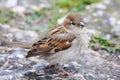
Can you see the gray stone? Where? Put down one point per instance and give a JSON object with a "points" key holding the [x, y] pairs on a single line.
{"points": [[116, 30], [11, 3]]}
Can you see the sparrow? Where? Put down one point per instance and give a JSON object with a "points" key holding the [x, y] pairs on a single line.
{"points": [[63, 43]]}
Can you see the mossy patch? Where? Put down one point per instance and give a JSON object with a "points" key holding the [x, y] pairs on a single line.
{"points": [[104, 44]]}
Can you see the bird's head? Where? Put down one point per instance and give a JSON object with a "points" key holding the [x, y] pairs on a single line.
{"points": [[73, 21]]}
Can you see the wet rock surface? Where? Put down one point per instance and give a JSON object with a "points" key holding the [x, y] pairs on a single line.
{"points": [[91, 66]]}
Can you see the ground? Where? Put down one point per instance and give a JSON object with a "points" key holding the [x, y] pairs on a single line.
{"points": [[28, 20]]}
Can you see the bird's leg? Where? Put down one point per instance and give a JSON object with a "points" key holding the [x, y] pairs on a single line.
{"points": [[48, 66], [63, 72]]}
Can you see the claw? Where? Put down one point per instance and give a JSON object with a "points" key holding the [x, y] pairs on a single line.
{"points": [[63, 72], [48, 66]]}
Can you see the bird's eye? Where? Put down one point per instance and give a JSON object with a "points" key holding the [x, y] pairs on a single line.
{"points": [[72, 23]]}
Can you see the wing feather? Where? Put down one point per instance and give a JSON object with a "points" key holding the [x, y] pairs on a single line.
{"points": [[56, 40]]}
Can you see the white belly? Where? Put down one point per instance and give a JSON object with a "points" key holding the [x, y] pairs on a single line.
{"points": [[72, 53]]}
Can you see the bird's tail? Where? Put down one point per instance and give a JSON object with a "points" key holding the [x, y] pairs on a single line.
{"points": [[25, 45], [31, 53]]}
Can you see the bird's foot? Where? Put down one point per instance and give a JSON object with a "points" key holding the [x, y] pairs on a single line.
{"points": [[48, 66], [63, 72]]}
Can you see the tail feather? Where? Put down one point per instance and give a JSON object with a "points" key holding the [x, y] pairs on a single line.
{"points": [[25, 45], [36, 52], [32, 53]]}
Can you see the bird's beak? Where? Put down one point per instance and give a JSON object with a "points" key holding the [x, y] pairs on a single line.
{"points": [[82, 24]]}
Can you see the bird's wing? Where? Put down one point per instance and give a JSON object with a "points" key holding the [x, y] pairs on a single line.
{"points": [[57, 39]]}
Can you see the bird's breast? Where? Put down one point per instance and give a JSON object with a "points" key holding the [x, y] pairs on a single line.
{"points": [[67, 55], [79, 46]]}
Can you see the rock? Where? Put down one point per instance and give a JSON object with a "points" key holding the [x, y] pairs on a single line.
{"points": [[10, 75], [18, 9], [76, 77], [98, 13], [107, 2], [23, 36], [108, 36], [11, 3], [16, 34], [40, 65], [112, 21], [98, 6], [2, 60], [18, 53], [44, 5], [8, 36], [116, 30], [118, 22], [4, 27]]}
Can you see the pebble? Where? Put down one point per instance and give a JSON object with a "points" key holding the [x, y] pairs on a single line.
{"points": [[24, 36], [107, 2], [18, 9], [112, 21], [98, 13], [40, 65], [11, 3], [98, 6], [116, 30]]}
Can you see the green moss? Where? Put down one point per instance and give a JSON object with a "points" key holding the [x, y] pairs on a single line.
{"points": [[6, 15], [74, 4], [104, 44], [33, 15], [12, 14], [90, 1]]}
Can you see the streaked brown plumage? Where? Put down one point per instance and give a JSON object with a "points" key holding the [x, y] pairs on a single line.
{"points": [[57, 39], [62, 43]]}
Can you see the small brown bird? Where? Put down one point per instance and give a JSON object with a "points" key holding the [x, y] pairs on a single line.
{"points": [[63, 43]]}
